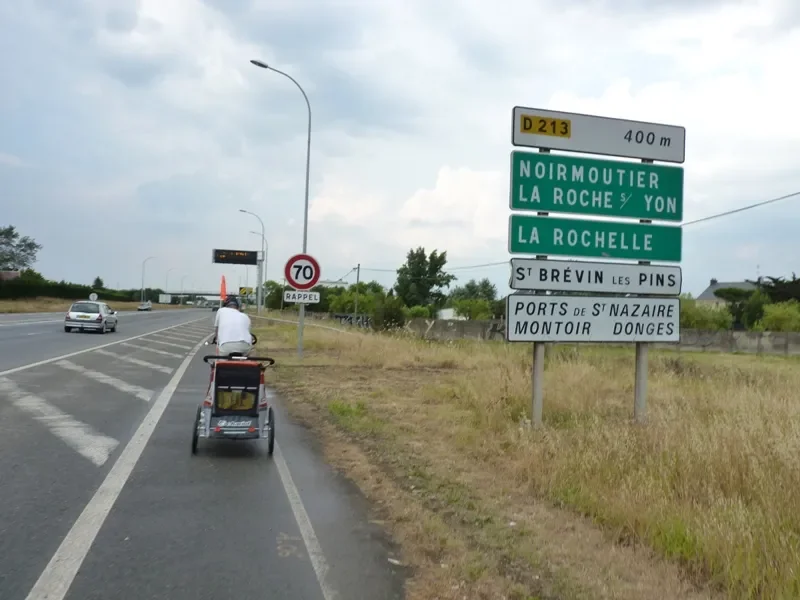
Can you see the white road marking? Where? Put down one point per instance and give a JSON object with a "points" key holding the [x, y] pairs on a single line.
{"points": [[135, 361], [310, 540], [60, 572], [12, 323], [122, 386], [77, 435], [180, 337], [61, 320], [154, 350], [47, 361], [204, 331], [152, 341]]}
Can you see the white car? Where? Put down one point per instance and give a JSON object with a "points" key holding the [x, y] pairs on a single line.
{"points": [[87, 315]]}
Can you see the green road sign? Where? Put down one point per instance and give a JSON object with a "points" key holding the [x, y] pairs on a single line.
{"points": [[596, 239], [591, 186]]}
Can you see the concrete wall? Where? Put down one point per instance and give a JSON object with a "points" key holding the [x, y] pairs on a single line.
{"points": [[692, 340]]}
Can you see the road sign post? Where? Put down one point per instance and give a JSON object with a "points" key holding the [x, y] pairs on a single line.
{"points": [[641, 304], [302, 272]]}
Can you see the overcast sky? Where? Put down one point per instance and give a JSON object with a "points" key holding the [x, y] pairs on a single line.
{"points": [[138, 128]]}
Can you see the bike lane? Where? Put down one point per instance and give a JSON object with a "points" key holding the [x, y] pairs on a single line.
{"points": [[229, 521]]}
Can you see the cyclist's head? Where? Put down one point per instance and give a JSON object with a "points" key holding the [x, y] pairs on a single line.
{"points": [[231, 302]]}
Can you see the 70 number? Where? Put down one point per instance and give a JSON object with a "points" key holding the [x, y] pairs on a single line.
{"points": [[306, 270]]}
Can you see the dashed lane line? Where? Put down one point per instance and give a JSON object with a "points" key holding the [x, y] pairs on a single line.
{"points": [[122, 386], [149, 349], [60, 572], [180, 337], [48, 361], [163, 343], [74, 433], [135, 361]]}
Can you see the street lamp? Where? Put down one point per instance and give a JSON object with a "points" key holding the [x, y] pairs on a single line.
{"points": [[265, 245], [166, 283], [260, 292], [182, 278], [301, 320], [144, 262]]}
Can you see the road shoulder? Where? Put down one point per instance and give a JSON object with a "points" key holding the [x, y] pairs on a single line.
{"points": [[460, 527]]}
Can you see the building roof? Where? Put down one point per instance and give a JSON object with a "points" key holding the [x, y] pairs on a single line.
{"points": [[708, 293]]}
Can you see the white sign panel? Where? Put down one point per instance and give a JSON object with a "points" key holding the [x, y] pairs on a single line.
{"points": [[574, 132], [598, 277], [301, 297], [92, 296], [591, 319]]}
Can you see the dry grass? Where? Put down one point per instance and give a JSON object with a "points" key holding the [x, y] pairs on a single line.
{"points": [[35, 305], [711, 482]]}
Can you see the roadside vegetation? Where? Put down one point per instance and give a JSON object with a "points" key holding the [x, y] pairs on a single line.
{"points": [[424, 287], [22, 289], [701, 501]]}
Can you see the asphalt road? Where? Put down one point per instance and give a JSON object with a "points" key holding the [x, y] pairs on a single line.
{"points": [[102, 498]]}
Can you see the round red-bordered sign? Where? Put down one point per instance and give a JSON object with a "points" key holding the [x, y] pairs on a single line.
{"points": [[302, 272]]}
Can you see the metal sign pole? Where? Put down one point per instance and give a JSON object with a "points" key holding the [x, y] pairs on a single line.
{"points": [[642, 351], [537, 374]]}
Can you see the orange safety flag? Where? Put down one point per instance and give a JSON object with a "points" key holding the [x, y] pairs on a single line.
{"points": [[223, 293]]}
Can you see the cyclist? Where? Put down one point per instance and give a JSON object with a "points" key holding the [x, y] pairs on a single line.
{"points": [[232, 329]]}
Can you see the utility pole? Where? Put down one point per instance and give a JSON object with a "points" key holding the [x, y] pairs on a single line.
{"points": [[358, 280]]}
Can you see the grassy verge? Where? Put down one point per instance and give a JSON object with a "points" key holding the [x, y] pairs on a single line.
{"points": [[34, 305], [700, 502]]}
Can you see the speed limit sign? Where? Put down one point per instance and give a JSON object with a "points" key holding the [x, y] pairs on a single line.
{"points": [[302, 271]]}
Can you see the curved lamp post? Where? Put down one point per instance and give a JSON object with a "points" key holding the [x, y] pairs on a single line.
{"points": [[301, 320]]}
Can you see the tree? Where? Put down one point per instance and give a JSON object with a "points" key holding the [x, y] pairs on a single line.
{"points": [[474, 290], [737, 300], [388, 313], [98, 283], [474, 309], [778, 289], [31, 276], [16, 253], [754, 308], [273, 294], [421, 278]]}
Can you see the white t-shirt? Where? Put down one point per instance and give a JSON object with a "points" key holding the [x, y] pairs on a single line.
{"points": [[234, 326]]}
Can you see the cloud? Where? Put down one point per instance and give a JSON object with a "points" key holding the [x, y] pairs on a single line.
{"points": [[150, 114]]}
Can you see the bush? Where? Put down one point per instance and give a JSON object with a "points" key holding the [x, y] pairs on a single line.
{"points": [[781, 316], [388, 314], [31, 284], [418, 312], [704, 317]]}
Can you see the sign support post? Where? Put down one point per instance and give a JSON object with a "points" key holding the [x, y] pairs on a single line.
{"points": [[358, 280], [537, 375], [642, 363], [259, 282]]}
